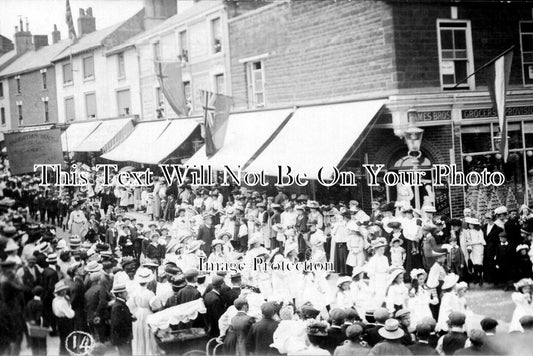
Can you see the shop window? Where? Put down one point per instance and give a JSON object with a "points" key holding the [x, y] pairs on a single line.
{"points": [[526, 44], [476, 138], [514, 135], [528, 133], [43, 76], [455, 54], [21, 118]]}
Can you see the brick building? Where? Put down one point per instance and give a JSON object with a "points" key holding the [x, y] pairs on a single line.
{"points": [[412, 55]]}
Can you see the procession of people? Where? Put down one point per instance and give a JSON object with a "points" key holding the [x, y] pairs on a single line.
{"points": [[80, 259]]}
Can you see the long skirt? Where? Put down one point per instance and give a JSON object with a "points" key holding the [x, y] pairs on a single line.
{"points": [[341, 253], [143, 342]]}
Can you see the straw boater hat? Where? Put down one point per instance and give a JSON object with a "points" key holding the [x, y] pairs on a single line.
{"points": [[343, 280], [61, 285], [93, 267], [51, 258], [396, 239], [522, 247], [472, 221], [74, 241], [523, 282], [379, 242], [357, 270], [313, 204], [391, 330], [144, 275], [450, 281], [119, 288]]}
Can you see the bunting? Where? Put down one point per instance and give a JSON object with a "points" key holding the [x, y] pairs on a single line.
{"points": [[70, 22], [216, 113], [171, 83]]}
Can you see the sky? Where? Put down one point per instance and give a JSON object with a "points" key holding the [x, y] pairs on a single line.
{"points": [[43, 14]]}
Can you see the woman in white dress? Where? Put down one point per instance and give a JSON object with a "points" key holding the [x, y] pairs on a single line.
{"points": [[143, 342], [377, 269], [397, 293], [475, 245], [450, 302], [344, 295], [361, 291], [315, 290], [524, 303], [420, 296]]}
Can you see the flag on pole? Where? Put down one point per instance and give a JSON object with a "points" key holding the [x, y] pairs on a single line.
{"points": [[498, 80], [70, 22], [216, 113], [171, 83]]}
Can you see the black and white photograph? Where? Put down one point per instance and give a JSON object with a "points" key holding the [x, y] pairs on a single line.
{"points": [[266, 177]]}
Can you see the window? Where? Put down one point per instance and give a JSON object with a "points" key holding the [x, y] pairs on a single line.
{"points": [[160, 103], [46, 112], [1, 89], [123, 101], [88, 67], [90, 105], [19, 110], [216, 35], [157, 50], [43, 76], [121, 69], [256, 83], [188, 95], [70, 112], [184, 48], [3, 115], [19, 88], [67, 73], [220, 84], [455, 54], [526, 43]]}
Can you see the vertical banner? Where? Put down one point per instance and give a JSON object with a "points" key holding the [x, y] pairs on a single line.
{"points": [[25, 149]]}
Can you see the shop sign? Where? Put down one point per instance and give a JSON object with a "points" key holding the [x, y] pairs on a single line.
{"points": [[432, 116], [491, 113], [442, 200], [447, 68]]}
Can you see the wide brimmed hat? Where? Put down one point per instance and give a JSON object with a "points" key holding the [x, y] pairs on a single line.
{"points": [[144, 275], [391, 330], [74, 241], [51, 258], [194, 245], [395, 273], [522, 247], [119, 288], [500, 210], [150, 262], [11, 246], [313, 204], [379, 242], [221, 234], [357, 270], [342, 280], [429, 209], [473, 221], [450, 281], [61, 285], [93, 266], [416, 272], [216, 242], [396, 239], [523, 282]]}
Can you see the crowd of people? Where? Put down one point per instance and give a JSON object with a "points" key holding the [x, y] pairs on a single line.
{"points": [[78, 260]]}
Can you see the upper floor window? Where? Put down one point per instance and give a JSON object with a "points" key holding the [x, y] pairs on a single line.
{"points": [[526, 43], [88, 67], [67, 73], [216, 35], [44, 79], [19, 112], [188, 95], [455, 54], [160, 111], [255, 78], [19, 88], [1, 89], [90, 105], [124, 102], [156, 47], [2, 115], [220, 84], [183, 46], [70, 112], [46, 111], [121, 66]]}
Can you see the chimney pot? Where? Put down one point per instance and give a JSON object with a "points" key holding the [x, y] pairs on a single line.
{"points": [[89, 11], [86, 22], [56, 35]]}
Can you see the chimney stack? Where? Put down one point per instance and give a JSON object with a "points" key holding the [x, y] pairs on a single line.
{"points": [[86, 22], [23, 39], [40, 41], [157, 11], [56, 35]]}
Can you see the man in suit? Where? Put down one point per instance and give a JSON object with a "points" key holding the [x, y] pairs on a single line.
{"points": [[372, 335], [121, 321], [404, 317], [261, 333], [111, 234], [421, 347], [215, 305], [336, 336], [233, 293], [504, 262], [206, 233], [352, 347], [491, 233], [50, 278], [33, 313], [30, 277], [190, 291], [240, 324]]}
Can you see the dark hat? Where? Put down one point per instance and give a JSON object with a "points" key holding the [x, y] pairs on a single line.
{"points": [[477, 337], [312, 222], [309, 312], [191, 273], [178, 282], [457, 319], [526, 321], [456, 222], [503, 234], [423, 330], [337, 314], [8, 264], [394, 225], [488, 324], [317, 329], [217, 281], [353, 331]]}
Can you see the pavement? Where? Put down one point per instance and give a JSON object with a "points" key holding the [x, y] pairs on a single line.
{"points": [[483, 301]]}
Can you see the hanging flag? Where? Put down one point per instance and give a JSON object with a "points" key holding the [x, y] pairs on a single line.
{"points": [[70, 23], [169, 76], [216, 113], [498, 80]]}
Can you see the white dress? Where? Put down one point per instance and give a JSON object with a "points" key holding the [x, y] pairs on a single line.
{"points": [[397, 295], [345, 300], [475, 241], [143, 342], [419, 305], [315, 290], [523, 307], [450, 303], [362, 296], [378, 273]]}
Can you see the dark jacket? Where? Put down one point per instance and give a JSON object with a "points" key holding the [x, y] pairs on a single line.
{"points": [[188, 294], [422, 349], [240, 326], [207, 235], [215, 306], [261, 336], [373, 336], [453, 341], [33, 311], [230, 295], [336, 337], [121, 320]]}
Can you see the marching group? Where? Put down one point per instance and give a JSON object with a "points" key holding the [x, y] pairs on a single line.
{"points": [[397, 286]]}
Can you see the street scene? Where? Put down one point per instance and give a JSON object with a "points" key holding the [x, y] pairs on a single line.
{"points": [[266, 177]]}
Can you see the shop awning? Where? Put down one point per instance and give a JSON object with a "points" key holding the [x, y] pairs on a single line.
{"points": [[140, 140], [315, 137], [245, 134], [107, 135], [175, 134], [76, 133]]}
